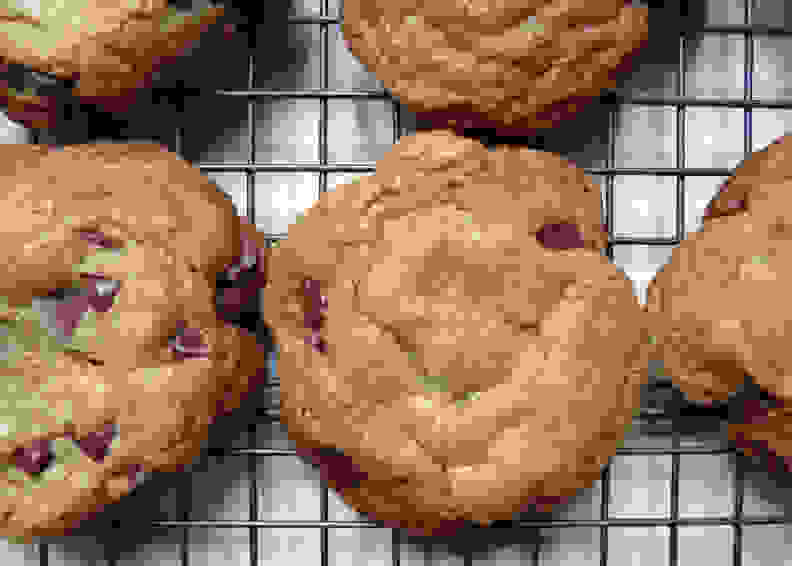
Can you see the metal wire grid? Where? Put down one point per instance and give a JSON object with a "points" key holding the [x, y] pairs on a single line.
{"points": [[680, 102]]}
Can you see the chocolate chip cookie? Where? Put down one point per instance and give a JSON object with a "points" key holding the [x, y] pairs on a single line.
{"points": [[133, 363], [720, 301], [512, 65], [90, 51], [452, 344]]}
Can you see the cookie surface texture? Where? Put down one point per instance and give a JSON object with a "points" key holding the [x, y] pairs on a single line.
{"points": [[110, 47], [450, 335], [136, 364], [481, 63], [721, 298]]}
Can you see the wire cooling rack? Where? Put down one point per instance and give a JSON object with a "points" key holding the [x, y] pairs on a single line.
{"points": [[297, 115]]}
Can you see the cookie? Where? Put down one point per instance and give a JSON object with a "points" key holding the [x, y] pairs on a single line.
{"points": [[720, 299], [89, 51], [453, 346], [133, 362], [515, 66]]}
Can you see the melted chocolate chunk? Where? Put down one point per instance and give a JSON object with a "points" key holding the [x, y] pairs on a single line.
{"points": [[317, 342], [35, 458], [135, 475], [96, 445], [334, 465], [751, 403], [188, 344], [191, 339], [97, 239], [68, 313], [100, 303], [100, 298], [314, 308], [560, 237]]}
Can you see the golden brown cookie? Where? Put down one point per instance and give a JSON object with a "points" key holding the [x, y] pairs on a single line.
{"points": [[97, 51], [171, 204], [138, 362], [452, 344], [518, 64], [720, 301]]}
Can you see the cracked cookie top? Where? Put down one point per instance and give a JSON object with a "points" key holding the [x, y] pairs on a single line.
{"points": [[514, 62], [450, 326], [107, 47]]}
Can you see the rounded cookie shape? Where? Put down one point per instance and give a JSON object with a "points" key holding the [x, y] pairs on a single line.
{"points": [[452, 344], [134, 362], [96, 52], [719, 302], [515, 64]]}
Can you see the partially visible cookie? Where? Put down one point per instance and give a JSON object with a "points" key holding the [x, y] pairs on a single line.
{"points": [[91, 51], [514, 65], [134, 361], [453, 345], [721, 300]]}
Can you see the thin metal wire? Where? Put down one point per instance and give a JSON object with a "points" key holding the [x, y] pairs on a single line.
{"points": [[609, 179], [369, 167], [610, 95], [609, 182], [673, 538], [758, 29], [43, 554], [324, 58], [673, 534], [250, 178], [739, 483], [250, 190], [604, 512], [527, 523], [680, 139], [395, 547], [692, 450], [184, 495]]}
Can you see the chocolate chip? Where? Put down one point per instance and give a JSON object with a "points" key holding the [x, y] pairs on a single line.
{"points": [[316, 340], [313, 320], [334, 465], [34, 458], [68, 313], [560, 236], [189, 344], [135, 475], [96, 238], [233, 299], [314, 306], [100, 303], [96, 445], [191, 338], [312, 290]]}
